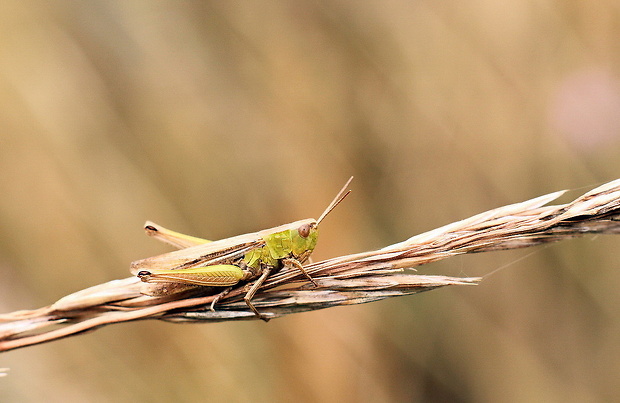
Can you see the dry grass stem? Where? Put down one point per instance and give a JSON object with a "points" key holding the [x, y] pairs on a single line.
{"points": [[345, 280]]}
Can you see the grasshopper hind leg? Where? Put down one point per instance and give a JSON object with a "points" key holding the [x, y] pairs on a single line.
{"points": [[264, 271], [218, 297], [248, 296]]}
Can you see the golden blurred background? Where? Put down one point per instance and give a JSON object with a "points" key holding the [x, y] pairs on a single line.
{"points": [[220, 118]]}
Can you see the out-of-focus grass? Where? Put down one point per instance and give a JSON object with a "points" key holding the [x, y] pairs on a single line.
{"points": [[218, 118]]}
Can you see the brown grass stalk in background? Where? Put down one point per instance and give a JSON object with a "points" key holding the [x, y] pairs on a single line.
{"points": [[345, 280]]}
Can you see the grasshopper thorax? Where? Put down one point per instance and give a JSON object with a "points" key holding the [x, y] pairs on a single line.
{"points": [[296, 240]]}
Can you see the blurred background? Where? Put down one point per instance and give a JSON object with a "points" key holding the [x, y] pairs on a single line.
{"points": [[221, 118]]}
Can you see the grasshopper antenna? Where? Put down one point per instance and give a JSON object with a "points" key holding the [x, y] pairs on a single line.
{"points": [[339, 197]]}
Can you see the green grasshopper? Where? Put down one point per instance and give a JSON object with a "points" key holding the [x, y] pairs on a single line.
{"points": [[224, 263]]}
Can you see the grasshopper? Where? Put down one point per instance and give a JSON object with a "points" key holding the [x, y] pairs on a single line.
{"points": [[225, 263]]}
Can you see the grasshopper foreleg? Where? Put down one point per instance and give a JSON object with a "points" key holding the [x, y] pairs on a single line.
{"points": [[290, 262]]}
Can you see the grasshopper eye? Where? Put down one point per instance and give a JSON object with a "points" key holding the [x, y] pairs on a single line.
{"points": [[304, 230]]}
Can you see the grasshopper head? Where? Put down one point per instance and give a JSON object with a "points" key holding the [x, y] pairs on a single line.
{"points": [[303, 239], [305, 233], [296, 239]]}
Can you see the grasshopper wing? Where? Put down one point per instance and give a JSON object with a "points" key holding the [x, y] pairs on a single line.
{"points": [[224, 251]]}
